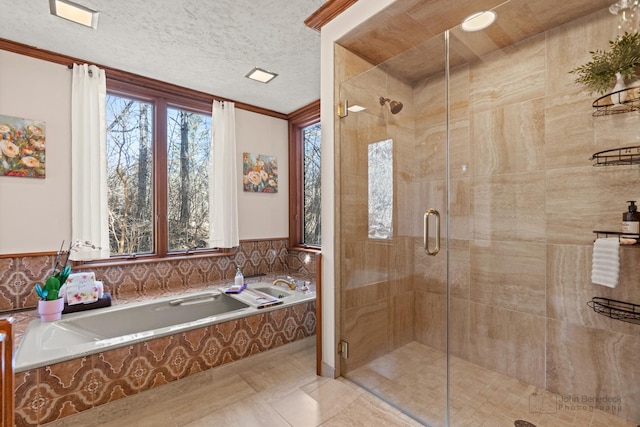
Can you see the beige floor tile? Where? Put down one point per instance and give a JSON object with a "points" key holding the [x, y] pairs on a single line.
{"points": [[603, 419], [251, 412], [155, 418], [203, 401], [366, 412], [321, 404], [478, 396], [280, 388]]}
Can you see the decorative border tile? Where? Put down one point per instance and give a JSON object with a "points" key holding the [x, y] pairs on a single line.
{"points": [[19, 275]]}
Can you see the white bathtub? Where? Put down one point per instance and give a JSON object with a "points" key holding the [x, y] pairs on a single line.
{"points": [[79, 334]]}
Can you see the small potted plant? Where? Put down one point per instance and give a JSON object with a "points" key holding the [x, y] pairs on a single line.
{"points": [[51, 303], [616, 65]]}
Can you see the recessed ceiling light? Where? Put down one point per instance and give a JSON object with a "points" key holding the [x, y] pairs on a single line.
{"points": [[479, 20], [355, 108], [260, 75], [74, 12]]}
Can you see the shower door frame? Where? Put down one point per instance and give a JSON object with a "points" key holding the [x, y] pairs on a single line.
{"points": [[345, 344]]}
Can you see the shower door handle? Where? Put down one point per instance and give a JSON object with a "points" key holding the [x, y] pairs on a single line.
{"points": [[427, 214]]}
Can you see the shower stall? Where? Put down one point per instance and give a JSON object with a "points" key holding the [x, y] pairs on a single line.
{"points": [[465, 214]]}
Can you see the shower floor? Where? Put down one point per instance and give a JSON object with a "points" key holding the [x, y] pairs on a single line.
{"points": [[414, 376]]}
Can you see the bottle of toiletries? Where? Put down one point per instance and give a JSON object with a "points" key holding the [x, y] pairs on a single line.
{"points": [[239, 279], [631, 219]]}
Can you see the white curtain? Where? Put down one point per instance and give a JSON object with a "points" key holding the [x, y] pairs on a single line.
{"points": [[223, 197], [89, 220]]}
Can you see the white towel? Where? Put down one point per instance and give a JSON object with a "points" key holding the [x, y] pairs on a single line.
{"points": [[605, 266]]}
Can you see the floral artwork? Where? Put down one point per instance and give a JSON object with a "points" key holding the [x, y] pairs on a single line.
{"points": [[22, 147], [260, 173]]}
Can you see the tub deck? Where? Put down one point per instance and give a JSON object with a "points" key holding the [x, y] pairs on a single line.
{"points": [[89, 332]]}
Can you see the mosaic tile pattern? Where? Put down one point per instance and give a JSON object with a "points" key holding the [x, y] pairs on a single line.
{"points": [[57, 391], [19, 275], [302, 263]]}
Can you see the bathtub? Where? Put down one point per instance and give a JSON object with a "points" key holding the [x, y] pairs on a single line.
{"points": [[90, 332]]}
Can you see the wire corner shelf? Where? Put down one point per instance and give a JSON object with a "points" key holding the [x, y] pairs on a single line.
{"points": [[617, 156], [618, 310], [618, 102]]}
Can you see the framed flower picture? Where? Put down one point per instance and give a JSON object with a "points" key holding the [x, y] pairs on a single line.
{"points": [[260, 173], [22, 147]]}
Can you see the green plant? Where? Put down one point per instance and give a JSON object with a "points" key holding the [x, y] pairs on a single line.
{"points": [[51, 288], [622, 57]]}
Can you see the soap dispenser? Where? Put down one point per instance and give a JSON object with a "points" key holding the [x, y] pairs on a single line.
{"points": [[239, 279], [631, 219]]}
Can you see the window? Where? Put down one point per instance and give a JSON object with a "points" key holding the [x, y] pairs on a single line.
{"points": [[380, 189], [311, 185], [304, 177], [188, 147], [129, 172], [158, 173]]}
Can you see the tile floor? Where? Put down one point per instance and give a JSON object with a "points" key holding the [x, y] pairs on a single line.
{"points": [[280, 388], [275, 388], [415, 375]]}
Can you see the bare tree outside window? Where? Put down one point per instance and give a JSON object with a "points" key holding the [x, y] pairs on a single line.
{"points": [[130, 174], [188, 148], [311, 169], [380, 183], [129, 166]]}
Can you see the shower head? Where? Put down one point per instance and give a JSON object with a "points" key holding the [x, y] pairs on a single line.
{"points": [[394, 106]]}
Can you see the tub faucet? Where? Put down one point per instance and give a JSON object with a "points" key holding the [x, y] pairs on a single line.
{"points": [[291, 284]]}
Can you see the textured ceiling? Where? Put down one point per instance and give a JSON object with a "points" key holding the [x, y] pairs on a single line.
{"points": [[207, 45]]}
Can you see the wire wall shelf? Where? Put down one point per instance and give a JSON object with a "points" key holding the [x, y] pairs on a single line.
{"points": [[617, 156], [625, 238], [621, 101], [619, 310]]}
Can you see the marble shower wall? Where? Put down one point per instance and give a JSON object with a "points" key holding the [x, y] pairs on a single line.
{"points": [[524, 199]]}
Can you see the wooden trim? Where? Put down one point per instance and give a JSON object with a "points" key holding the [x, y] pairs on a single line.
{"points": [[28, 254], [160, 178], [143, 258], [131, 79], [304, 113], [327, 12], [6, 367], [319, 314]]}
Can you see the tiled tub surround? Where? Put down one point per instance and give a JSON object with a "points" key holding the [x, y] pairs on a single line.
{"points": [[524, 199], [93, 331], [19, 274], [52, 392], [141, 281], [58, 390]]}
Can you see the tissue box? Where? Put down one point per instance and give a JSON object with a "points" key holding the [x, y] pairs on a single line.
{"points": [[82, 288]]}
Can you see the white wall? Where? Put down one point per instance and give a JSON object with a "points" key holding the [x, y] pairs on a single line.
{"points": [[35, 214], [349, 19], [263, 215]]}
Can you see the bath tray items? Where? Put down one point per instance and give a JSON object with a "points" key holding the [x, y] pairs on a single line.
{"points": [[619, 310], [256, 298]]}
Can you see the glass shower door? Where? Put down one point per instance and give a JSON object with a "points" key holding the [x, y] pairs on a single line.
{"points": [[495, 328], [393, 294]]}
